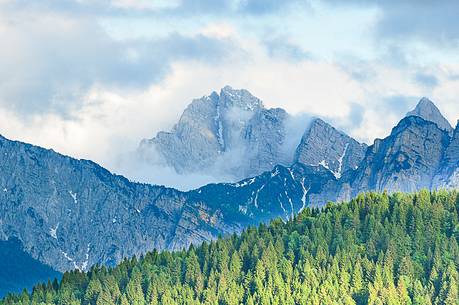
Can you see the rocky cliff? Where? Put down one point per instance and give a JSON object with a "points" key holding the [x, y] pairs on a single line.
{"points": [[72, 213], [427, 110], [230, 134], [405, 161], [323, 145], [448, 174]]}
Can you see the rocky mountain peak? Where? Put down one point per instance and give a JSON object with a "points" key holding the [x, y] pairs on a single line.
{"points": [[410, 122], [318, 123], [427, 110], [324, 145], [239, 98], [406, 161], [230, 134]]}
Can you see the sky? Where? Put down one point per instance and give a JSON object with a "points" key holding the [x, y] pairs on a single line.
{"points": [[91, 78]]}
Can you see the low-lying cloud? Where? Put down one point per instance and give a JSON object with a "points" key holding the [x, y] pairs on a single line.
{"points": [[148, 166]]}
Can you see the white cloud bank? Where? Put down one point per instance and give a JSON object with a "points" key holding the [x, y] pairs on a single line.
{"points": [[65, 84]]}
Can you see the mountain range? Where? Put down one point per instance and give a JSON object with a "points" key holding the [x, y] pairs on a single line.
{"points": [[69, 213]]}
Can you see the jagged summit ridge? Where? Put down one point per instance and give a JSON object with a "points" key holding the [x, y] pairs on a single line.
{"points": [[448, 175], [427, 110], [232, 134], [240, 98], [228, 134], [405, 161], [324, 145]]}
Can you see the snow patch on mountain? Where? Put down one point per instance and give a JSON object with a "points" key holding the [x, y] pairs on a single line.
{"points": [[74, 196], [305, 193], [337, 174], [53, 231]]}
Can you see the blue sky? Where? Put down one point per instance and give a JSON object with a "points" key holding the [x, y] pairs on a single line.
{"points": [[91, 78]]}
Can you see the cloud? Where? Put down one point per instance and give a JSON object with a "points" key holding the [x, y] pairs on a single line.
{"points": [[139, 170], [355, 115], [50, 62], [431, 21], [400, 103], [428, 80], [281, 47], [295, 126], [446, 97], [70, 81], [233, 7], [260, 7], [161, 8]]}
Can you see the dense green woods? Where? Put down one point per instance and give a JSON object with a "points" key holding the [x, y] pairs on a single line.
{"points": [[376, 249]]}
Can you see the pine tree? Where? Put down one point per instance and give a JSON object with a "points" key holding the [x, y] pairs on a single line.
{"points": [[134, 292]]}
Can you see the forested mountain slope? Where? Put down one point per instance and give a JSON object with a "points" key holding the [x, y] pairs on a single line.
{"points": [[375, 249]]}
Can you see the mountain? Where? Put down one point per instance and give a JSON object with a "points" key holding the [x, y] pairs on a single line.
{"points": [[406, 161], [282, 192], [323, 145], [411, 158], [448, 174], [70, 213], [427, 110], [18, 270], [233, 135], [230, 134], [376, 249]]}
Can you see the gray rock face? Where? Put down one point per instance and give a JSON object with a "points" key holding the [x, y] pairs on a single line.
{"points": [[417, 154], [264, 137], [70, 214], [405, 161], [323, 145], [448, 174], [230, 134], [195, 142], [427, 110]]}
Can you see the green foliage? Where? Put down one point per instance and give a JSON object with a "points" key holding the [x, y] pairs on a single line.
{"points": [[376, 249]]}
